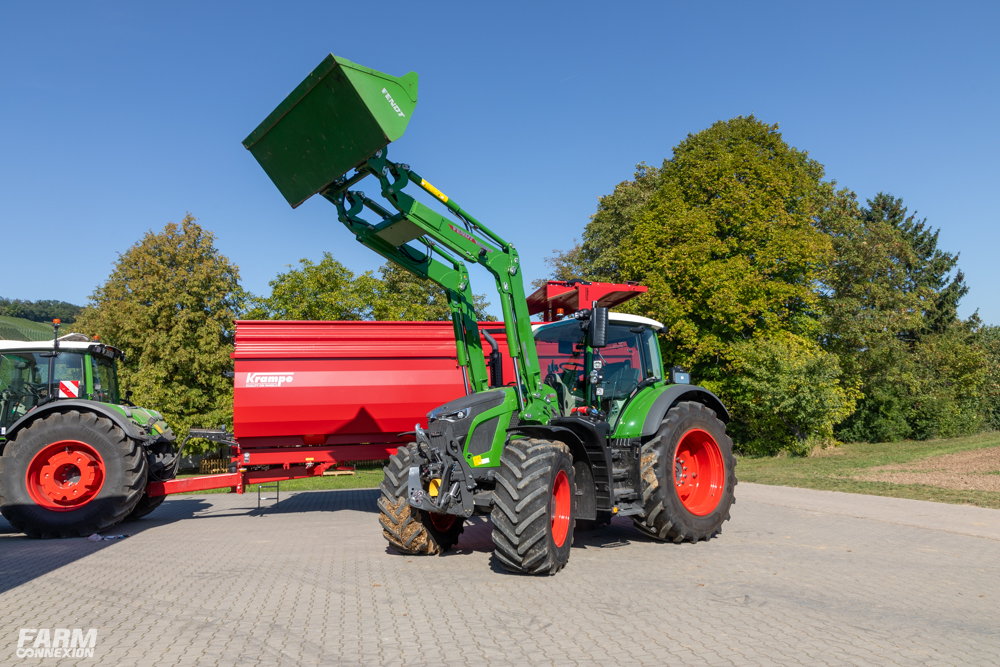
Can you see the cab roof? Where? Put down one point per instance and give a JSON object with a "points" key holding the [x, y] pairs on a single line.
{"points": [[623, 318], [46, 345]]}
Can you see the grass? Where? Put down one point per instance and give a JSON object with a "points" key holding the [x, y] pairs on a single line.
{"points": [[832, 469], [366, 477]]}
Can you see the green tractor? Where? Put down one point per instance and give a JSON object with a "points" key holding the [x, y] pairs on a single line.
{"points": [[75, 458], [590, 427]]}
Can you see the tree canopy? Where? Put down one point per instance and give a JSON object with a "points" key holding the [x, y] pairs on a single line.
{"points": [[331, 291], [813, 316], [170, 303], [40, 311]]}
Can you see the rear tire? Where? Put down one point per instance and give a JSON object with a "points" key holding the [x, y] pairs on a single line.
{"points": [[688, 476], [533, 517], [410, 530], [70, 474]]}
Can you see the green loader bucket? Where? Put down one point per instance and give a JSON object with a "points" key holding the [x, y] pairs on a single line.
{"points": [[332, 122]]}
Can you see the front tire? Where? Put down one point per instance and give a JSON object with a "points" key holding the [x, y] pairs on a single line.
{"points": [[533, 518], [70, 474], [410, 530], [688, 476]]}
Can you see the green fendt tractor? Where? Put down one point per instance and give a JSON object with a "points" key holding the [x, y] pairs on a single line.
{"points": [[75, 458], [607, 432]]}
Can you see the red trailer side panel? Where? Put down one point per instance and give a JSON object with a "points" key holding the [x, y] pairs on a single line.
{"points": [[336, 383]]}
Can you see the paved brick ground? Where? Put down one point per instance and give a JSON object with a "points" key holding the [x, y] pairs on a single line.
{"points": [[798, 577]]}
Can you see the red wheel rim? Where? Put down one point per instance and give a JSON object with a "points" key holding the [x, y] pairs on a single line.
{"points": [[442, 522], [560, 508], [699, 472], [65, 476]]}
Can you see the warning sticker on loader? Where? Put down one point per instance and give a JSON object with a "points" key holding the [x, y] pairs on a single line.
{"points": [[433, 190]]}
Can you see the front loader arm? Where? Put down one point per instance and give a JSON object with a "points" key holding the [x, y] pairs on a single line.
{"points": [[454, 279], [414, 221]]}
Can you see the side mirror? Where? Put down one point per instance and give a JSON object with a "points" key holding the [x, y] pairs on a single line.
{"points": [[598, 327]]}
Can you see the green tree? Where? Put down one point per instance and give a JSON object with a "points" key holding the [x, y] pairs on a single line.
{"points": [[987, 341], [324, 291], [931, 272], [612, 225], [40, 311], [170, 303], [728, 243], [891, 302], [330, 291], [787, 394], [946, 384], [867, 303]]}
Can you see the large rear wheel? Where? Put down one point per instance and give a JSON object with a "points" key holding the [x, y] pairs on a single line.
{"points": [[70, 474], [688, 476], [410, 530], [533, 520]]}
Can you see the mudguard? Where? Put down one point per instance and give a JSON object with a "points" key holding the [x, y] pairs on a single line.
{"points": [[675, 394], [103, 409]]}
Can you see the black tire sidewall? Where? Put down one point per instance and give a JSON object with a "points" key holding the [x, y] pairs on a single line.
{"points": [[665, 471], [19, 505]]}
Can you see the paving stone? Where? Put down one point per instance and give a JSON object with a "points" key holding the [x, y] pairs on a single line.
{"points": [[798, 577]]}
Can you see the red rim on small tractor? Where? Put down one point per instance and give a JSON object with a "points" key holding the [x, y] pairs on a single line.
{"points": [[65, 475], [699, 472], [560, 508]]}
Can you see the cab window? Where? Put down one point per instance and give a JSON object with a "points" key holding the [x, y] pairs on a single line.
{"points": [[18, 386], [105, 381], [24, 378], [561, 356]]}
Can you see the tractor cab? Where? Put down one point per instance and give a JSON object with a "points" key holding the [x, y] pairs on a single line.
{"points": [[588, 379], [36, 373]]}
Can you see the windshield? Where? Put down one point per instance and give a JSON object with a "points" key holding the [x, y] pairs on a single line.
{"points": [[561, 357], [24, 378]]}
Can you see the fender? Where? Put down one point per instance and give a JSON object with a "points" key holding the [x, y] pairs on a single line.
{"points": [[673, 395], [103, 409]]}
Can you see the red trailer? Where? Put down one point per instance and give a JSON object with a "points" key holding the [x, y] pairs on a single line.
{"points": [[311, 396]]}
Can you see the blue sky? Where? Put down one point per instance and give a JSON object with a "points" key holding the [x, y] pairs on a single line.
{"points": [[119, 117]]}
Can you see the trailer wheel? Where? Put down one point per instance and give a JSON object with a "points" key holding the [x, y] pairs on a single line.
{"points": [[688, 476], [160, 458], [409, 530], [533, 520], [70, 474]]}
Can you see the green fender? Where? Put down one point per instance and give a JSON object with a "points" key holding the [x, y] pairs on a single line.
{"points": [[644, 413], [116, 413]]}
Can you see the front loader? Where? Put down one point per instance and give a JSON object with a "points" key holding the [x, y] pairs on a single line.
{"points": [[591, 426]]}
